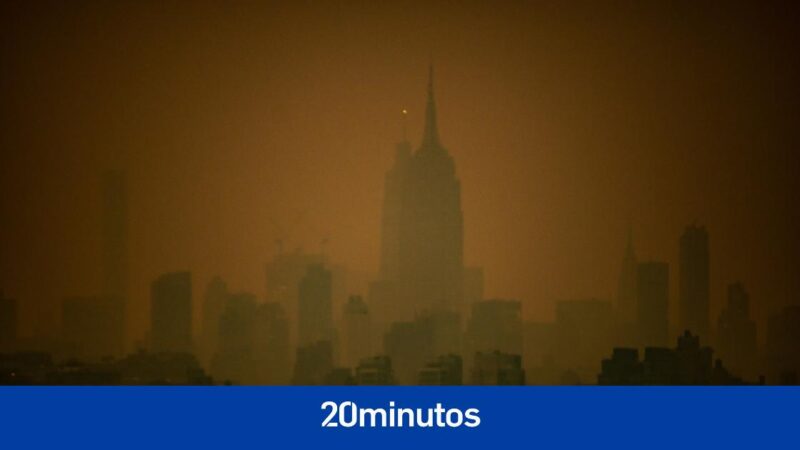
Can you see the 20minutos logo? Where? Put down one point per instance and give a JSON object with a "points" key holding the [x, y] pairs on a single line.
{"points": [[347, 414]]}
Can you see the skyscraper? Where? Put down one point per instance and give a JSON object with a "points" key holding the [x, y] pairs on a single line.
{"points": [[171, 313], [736, 334], [422, 235], [693, 283], [356, 332], [315, 313], [652, 288]]}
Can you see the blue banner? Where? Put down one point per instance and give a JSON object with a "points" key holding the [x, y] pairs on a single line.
{"points": [[398, 417]]}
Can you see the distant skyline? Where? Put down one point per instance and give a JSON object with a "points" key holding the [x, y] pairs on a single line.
{"points": [[567, 124]]}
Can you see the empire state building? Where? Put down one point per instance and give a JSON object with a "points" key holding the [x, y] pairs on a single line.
{"points": [[422, 227]]}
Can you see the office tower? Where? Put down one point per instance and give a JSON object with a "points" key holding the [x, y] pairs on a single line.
{"points": [[652, 292], [736, 334], [214, 301], [283, 275], [171, 313], [422, 227], [313, 363], [89, 327], [693, 287], [9, 320], [356, 332], [408, 345], [375, 371], [253, 343], [271, 344], [495, 325], [115, 252], [314, 313], [626, 287], [233, 356], [584, 333], [497, 369], [445, 370]]}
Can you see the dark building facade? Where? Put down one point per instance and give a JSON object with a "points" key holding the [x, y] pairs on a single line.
{"points": [[315, 310], [171, 313], [736, 334]]}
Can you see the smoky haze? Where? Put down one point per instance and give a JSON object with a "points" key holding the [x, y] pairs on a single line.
{"points": [[240, 124]]}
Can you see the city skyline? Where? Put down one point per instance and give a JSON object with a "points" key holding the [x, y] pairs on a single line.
{"points": [[558, 162]]}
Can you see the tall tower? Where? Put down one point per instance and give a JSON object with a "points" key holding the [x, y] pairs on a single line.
{"points": [[427, 266], [171, 313], [314, 310], [693, 282]]}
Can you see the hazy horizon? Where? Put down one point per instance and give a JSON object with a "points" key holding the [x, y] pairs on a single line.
{"points": [[566, 124]]}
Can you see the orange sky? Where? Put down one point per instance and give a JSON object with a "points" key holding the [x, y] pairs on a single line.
{"points": [[565, 124]]}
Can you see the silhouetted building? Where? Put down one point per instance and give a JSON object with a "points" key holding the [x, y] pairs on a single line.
{"points": [[171, 313], [624, 368], [24, 368], [538, 352], [736, 334], [693, 288], [163, 369], [9, 320], [142, 368], [90, 327], [115, 252], [584, 330], [497, 369], [446, 370], [283, 275], [356, 332], [652, 289], [626, 287], [315, 314], [339, 376], [313, 363], [375, 371], [783, 346], [253, 343], [271, 344], [687, 364], [422, 234], [233, 360], [408, 345], [214, 301], [494, 325]]}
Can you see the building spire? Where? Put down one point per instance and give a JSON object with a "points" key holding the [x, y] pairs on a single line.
{"points": [[431, 136]]}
